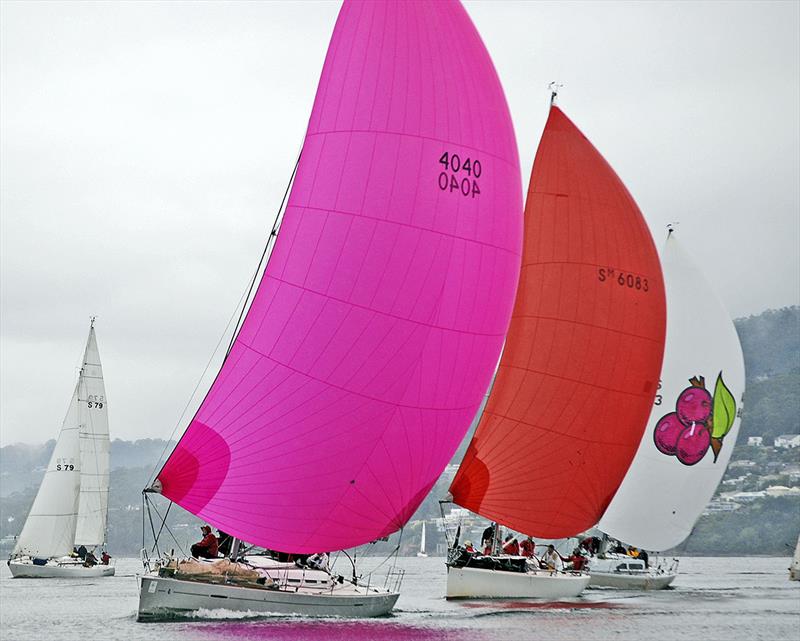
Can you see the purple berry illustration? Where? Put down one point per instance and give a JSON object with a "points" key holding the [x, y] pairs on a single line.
{"points": [[694, 403], [693, 444], [666, 434]]}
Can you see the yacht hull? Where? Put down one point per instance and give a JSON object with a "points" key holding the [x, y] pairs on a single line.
{"points": [[467, 583], [54, 570], [630, 581], [163, 598]]}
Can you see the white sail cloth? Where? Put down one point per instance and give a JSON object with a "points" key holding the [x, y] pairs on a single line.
{"points": [[663, 495], [95, 446], [49, 530]]}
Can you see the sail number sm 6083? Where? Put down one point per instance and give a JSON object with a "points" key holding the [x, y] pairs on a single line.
{"points": [[623, 279], [460, 175]]}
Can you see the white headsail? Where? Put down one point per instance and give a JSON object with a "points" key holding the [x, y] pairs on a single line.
{"points": [[49, 530], [95, 447], [695, 421]]}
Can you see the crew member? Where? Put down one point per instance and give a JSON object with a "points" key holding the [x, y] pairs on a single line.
{"points": [[510, 546], [551, 558], [487, 540], [527, 547], [207, 548]]}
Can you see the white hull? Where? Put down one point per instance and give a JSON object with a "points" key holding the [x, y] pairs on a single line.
{"points": [[422, 555], [497, 584], [629, 573], [622, 581], [166, 598], [25, 569]]}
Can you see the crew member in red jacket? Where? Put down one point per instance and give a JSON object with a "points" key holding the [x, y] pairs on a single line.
{"points": [[527, 547], [511, 547], [208, 547]]}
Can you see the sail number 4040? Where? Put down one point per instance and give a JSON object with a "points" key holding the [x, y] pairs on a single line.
{"points": [[460, 175]]}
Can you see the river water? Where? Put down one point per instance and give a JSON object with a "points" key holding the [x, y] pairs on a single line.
{"points": [[712, 599]]}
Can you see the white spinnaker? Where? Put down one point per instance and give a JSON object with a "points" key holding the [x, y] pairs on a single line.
{"points": [[660, 498], [49, 530], [95, 447]]}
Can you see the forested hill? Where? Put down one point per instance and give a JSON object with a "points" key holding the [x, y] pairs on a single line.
{"points": [[771, 342], [771, 345]]}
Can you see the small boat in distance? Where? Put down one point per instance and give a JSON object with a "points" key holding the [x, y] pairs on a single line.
{"points": [[421, 552], [70, 511], [577, 377], [372, 336]]}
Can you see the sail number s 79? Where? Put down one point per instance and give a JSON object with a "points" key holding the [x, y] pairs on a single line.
{"points": [[95, 401], [65, 465], [460, 175]]}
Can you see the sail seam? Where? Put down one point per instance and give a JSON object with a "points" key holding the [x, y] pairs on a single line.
{"points": [[409, 226], [407, 135]]}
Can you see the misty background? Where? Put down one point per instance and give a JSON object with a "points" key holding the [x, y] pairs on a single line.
{"points": [[145, 147]]}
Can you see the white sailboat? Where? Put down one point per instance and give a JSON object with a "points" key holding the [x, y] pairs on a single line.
{"points": [[794, 568], [422, 553], [71, 506], [691, 432]]}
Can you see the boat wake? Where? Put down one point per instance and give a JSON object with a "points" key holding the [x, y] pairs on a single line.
{"points": [[221, 614], [538, 605]]}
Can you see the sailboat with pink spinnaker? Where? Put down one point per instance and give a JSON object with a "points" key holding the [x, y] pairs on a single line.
{"points": [[374, 332]]}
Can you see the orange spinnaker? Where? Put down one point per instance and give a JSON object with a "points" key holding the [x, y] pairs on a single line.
{"points": [[581, 364]]}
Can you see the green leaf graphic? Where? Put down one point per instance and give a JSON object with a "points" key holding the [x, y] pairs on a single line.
{"points": [[724, 411]]}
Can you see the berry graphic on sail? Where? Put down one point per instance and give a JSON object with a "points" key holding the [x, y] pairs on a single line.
{"points": [[698, 423]]}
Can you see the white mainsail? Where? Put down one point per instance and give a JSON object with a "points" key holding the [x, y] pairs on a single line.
{"points": [[95, 449], [422, 542], [49, 530], [695, 421]]}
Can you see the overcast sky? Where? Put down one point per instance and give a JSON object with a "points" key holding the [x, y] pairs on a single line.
{"points": [[144, 149]]}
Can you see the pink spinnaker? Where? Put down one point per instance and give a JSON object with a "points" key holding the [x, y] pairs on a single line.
{"points": [[375, 330]]}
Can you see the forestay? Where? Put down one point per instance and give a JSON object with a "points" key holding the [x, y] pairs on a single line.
{"points": [[374, 332], [580, 366], [695, 420]]}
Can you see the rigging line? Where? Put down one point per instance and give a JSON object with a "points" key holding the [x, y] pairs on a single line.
{"points": [[164, 520], [243, 302], [392, 554], [270, 240], [152, 528], [151, 476]]}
